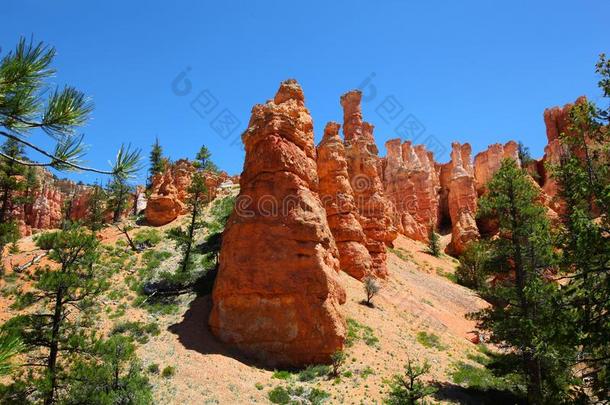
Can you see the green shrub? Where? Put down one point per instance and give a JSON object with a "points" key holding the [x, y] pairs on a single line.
{"points": [[313, 372], [137, 330], [259, 386], [430, 340], [152, 259], [147, 237], [356, 331], [401, 254], [279, 395], [297, 395], [153, 368], [168, 372], [367, 372], [282, 375], [471, 272]]}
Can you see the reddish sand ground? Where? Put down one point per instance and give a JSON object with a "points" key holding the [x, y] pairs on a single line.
{"points": [[415, 298]]}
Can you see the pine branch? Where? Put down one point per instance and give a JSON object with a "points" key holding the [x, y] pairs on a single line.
{"points": [[47, 154]]}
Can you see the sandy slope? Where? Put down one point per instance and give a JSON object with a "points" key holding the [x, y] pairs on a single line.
{"points": [[416, 298]]}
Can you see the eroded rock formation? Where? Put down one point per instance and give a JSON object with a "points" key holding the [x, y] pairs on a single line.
{"points": [[364, 167], [338, 200], [487, 163], [49, 203], [169, 191], [412, 184], [461, 198], [557, 122], [276, 296]]}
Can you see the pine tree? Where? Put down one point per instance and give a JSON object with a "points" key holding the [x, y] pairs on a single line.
{"points": [[473, 265], [185, 239], [583, 176], [526, 316], [96, 208], [11, 184], [157, 162], [27, 106], [408, 389], [51, 333], [9, 347], [434, 243], [204, 160], [119, 188], [111, 375]]}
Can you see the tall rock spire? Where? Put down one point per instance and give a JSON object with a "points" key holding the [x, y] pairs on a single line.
{"points": [[364, 166], [276, 296], [338, 199]]}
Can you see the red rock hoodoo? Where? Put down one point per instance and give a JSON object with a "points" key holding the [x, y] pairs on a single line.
{"points": [[47, 204], [487, 163], [557, 122], [461, 198], [338, 200], [169, 191], [412, 184], [276, 296], [364, 167]]}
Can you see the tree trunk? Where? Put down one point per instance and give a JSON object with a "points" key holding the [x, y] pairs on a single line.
{"points": [[119, 205], [187, 251], [5, 202], [54, 348]]}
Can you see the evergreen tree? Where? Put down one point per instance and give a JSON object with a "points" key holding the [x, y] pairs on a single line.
{"points": [[31, 184], [408, 389], [204, 160], [24, 76], [112, 375], [52, 334], [526, 316], [525, 156], [157, 162], [434, 243], [10, 184], [119, 188], [9, 347], [96, 208], [185, 239], [583, 176], [472, 270]]}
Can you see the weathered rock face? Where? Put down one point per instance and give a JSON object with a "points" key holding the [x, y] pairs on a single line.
{"points": [[276, 296], [462, 198], [412, 184], [48, 202], [557, 122], [169, 191], [376, 211], [338, 200], [487, 163]]}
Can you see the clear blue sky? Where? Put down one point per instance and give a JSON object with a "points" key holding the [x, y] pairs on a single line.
{"points": [[477, 71]]}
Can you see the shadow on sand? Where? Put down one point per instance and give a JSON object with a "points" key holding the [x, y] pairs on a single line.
{"points": [[194, 333], [471, 396]]}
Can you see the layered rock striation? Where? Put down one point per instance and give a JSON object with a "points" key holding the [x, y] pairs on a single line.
{"points": [[412, 184], [364, 168], [337, 198]]}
